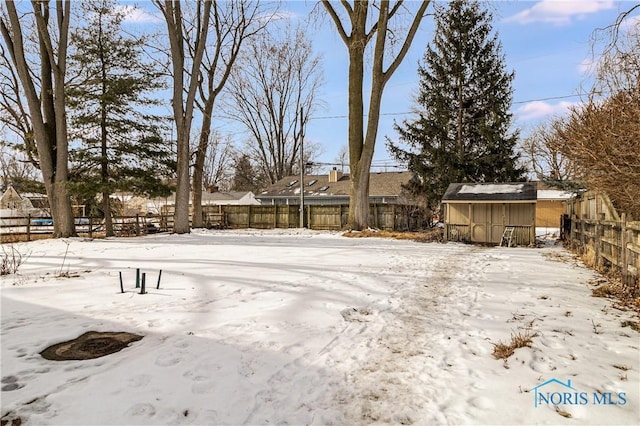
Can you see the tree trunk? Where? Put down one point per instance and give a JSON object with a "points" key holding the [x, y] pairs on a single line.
{"points": [[359, 200], [108, 220], [198, 171], [47, 109], [357, 218], [104, 154], [181, 214], [183, 107], [61, 211], [361, 145]]}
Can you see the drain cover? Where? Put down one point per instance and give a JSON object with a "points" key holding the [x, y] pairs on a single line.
{"points": [[92, 344]]}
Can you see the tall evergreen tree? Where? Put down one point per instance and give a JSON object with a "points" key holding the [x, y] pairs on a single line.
{"points": [[120, 145], [463, 131]]}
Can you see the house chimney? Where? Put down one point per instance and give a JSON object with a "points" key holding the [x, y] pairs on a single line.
{"points": [[334, 175]]}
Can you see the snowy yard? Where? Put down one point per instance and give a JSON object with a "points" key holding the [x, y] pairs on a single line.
{"points": [[303, 327]]}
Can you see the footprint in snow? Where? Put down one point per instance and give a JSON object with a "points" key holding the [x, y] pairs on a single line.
{"points": [[356, 314]]}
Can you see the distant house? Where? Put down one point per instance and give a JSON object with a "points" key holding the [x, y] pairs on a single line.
{"points": [[14, 204], [11, 200], [209, 198], [215, 198], [333, 188], [480, 212]]}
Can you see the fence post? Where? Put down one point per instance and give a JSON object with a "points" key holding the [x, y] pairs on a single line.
{"points": [[582, 236], [137, 225], [572, 231], [249, 216], [90, 227], [29, 227], [275, 216], [623, 250], [375, 216], [598, 245]]}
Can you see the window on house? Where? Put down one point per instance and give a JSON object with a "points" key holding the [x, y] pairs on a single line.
{"points": [[293, 182], [312, 182], [324, 188]]}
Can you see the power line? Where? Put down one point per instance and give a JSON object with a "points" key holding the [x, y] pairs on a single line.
{"points": [[551, 98]]}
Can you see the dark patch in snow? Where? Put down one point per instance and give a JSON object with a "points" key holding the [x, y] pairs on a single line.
{"points": [[90, 345]]}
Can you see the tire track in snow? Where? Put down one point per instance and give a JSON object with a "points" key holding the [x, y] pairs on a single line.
{"points": [[414, 348]]}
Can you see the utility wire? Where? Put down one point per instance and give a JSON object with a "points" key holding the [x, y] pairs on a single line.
{"points": [[551, 98]]}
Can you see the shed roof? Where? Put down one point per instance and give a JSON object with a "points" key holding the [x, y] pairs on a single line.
{"points": [[490, 192]]}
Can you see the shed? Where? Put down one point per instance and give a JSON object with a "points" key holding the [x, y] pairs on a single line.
{"points": [[480, 212]]}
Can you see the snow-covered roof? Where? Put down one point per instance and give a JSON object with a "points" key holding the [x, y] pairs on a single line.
{"points": [[490, 192], [491, 188], [554, 194]]}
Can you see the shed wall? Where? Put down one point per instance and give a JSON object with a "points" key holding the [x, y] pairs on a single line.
{"points": [[548, 213], [485, 222]]}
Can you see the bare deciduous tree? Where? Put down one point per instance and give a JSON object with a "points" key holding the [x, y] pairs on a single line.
{"points": [[233, 22], [357, 31], [45, 97], [273, 94], [218, 166], [601, 137], [342, 158], [186, 73], [548, 163], [17, 169], [13, 111]]}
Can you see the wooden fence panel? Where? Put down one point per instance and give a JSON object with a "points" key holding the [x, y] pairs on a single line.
{"points": [[384, 216], [609, 245], [325, 217], [237, 216], [458, 233], [320, 217], [263, 217], [287, 216]]}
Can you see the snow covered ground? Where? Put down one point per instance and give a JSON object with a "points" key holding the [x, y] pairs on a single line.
{"points": [[302, 327]]}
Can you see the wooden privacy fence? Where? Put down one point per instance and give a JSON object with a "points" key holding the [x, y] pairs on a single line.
{"points": [[320, 217], [609, 244]]}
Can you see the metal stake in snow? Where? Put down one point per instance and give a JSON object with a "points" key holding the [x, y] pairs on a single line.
{"points": [[121, 286], [144, 279], [159, 276], [137, 277]]}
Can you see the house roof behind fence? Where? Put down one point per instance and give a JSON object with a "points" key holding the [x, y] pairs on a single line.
{"points": [[490, 192], [383, 184], [224, 196]]}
